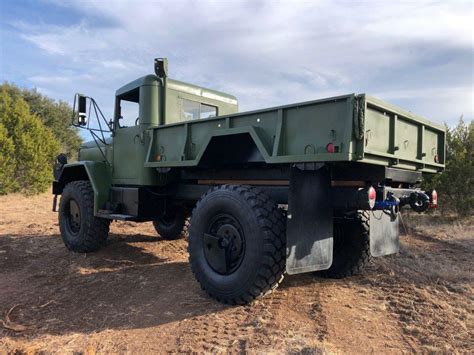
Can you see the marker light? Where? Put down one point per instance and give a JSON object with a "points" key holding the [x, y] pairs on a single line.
{"points": [[372, 197], [330, 148], [434, 198]]}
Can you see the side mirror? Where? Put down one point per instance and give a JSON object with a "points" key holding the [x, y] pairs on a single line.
{"points": [[82, 107]]}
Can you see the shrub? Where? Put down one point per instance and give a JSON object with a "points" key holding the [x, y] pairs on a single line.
{"points": [[27, 147], [7, 166], [54, 115], [456, 185]]}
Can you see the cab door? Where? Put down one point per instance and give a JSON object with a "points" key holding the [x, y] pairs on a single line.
{"points": [[127, 140]]}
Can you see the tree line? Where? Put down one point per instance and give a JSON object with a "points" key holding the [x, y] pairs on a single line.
{"points": [[35, 128], [455, 186]]}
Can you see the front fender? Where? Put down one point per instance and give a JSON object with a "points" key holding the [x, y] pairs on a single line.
{"points": [[98, 173]]}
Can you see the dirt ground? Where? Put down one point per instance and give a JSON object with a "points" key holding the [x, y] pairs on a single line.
{"points": [[138, 295]]}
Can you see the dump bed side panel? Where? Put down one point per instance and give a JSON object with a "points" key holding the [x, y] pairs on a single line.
{"points": [[361, 128], [286, 134], [398, 138]]}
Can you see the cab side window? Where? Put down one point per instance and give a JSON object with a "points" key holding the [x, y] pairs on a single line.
{"points": [[129, 108], [208, 111], [192, 110], [129, 112]]}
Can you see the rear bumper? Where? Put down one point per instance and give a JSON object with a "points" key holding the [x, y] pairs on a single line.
{"points": [[349, 198]]}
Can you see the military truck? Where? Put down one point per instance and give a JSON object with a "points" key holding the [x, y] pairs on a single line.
{"points": [[314, 186]]}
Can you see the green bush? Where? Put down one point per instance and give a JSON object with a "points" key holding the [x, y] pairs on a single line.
{"points": [[27, 147], [7, 161], [54, 115], [456, 185]]}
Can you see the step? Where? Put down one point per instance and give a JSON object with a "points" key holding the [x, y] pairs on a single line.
{"points": [[117, 216]]}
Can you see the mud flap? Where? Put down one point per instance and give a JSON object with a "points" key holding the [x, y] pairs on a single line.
{"points": [[309, 229], [384, 234]]}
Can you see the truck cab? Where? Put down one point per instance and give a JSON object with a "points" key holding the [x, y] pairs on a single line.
{"points": [[149, 102]]}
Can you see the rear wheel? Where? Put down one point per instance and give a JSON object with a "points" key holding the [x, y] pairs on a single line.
{"points": [[81, 231], [173, 225], [237, 243], [351, 251]]}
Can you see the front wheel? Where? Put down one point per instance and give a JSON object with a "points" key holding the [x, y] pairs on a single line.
{"points": [[237, 243], [81, 231]]}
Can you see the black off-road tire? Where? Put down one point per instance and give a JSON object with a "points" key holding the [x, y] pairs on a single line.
{"points": [[89, 233], [173, 228], [351, 252], [262, 228]]}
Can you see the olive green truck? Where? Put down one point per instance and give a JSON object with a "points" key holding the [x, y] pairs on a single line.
{"points": [[308, 187]]}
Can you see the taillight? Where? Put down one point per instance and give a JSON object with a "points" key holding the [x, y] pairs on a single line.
{"points": [[434, 198], [372, 197], [330, 148]]}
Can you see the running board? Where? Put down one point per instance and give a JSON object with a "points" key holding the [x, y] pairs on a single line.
{"points": [[117, 216]]}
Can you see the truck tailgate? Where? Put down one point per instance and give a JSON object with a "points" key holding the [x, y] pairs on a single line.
{"points": [[398, 138]]}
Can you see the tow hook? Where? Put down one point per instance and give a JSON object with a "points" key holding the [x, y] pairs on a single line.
{"points": [[418, 201]]}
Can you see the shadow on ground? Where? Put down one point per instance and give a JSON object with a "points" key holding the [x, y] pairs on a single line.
{"points": [[123, 286]]}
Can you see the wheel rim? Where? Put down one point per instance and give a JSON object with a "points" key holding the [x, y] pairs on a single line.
{"points": [[73, 217], [167, 220], [224, 244]]}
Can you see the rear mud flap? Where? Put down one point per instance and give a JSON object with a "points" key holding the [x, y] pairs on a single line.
{"points": [[384, 234], [310, 222]]}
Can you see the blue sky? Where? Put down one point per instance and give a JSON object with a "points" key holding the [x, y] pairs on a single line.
{"points": [[418, 55]]}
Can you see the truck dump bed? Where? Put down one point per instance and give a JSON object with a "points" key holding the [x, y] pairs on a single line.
{"points": [[357, 127]]}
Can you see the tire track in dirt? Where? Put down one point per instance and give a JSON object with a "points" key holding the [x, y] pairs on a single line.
{"points": [[427, 294], [358, 321], [305, 301], [234, 329], [289, 320]]}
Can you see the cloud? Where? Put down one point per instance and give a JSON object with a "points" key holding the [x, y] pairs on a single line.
{"points": [[269, 53]]}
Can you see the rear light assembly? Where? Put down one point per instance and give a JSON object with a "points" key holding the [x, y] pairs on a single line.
{"points": [[330, 148], [372, 196], [434, 199]]}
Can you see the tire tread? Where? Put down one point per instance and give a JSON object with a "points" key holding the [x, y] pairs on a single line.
{"points": [[271, 221], [96, 230], [355, 259]]}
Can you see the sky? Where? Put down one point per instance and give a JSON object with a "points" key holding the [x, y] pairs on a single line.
{"points": [[415, 54]]}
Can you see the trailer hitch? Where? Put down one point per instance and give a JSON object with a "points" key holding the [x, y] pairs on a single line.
{"points": [[390, 204], [387, 199], [418, 201]]}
